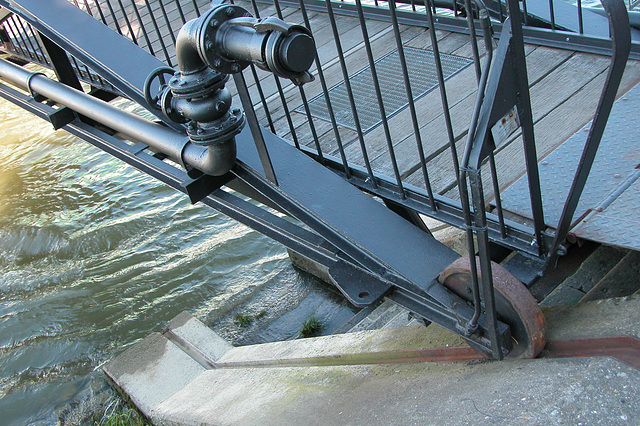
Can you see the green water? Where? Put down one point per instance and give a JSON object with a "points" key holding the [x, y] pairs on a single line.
{"points": [[94, 256]]}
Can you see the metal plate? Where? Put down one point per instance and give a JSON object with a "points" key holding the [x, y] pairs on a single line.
{"points": [[612, 176], [618, 223], [422, 77]]}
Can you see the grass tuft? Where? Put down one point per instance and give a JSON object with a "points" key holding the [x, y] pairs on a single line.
{"points": [[243, 320], [311, 327]]}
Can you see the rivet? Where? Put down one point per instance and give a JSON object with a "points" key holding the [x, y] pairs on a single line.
{"points": [[230, 12], [235, 67]]}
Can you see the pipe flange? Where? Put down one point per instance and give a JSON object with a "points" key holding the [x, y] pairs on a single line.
{"points": [[217, 131], [291, 56], [213, 20], [197, 85]]}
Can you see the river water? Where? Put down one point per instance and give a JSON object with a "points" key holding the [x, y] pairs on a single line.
{"points": [[95, 255]]}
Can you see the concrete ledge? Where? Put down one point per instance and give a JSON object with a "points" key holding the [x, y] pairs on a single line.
{"points": [[151, 371], [347, 379], [597, 318]]}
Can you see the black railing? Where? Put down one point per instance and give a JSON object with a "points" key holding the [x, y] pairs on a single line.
{"points": [[388, 110]]}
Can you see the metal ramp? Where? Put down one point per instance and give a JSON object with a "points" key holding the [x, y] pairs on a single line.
{"points": [[609, 206], [369, 249]]}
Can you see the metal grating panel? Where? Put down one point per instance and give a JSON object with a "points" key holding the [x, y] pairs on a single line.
{"points": [[422, 76], [617, 223], [614, 175]]}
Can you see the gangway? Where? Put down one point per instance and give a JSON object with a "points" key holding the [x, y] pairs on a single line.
{"points": [[323, 170]]}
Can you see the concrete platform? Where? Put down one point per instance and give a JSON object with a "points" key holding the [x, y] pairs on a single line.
{"points": [[387, 376]]}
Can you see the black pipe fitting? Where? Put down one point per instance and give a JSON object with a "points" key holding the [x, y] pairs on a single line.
{"points": [[223, 41]]}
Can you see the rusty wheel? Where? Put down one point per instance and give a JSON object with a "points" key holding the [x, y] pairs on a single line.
{"points": [[514, 304]]}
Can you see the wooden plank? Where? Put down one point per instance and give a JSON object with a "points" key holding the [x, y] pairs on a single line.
{"points": [[541, 60], [560, 124], [355, 59]]}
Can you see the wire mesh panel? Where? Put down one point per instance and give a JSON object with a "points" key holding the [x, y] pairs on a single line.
{"points": [[422, 76]]}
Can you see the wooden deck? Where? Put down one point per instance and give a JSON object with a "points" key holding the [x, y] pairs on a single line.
{"points": [[565, 88]]}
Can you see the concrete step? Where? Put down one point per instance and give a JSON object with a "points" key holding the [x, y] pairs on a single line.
{"points": [[385, 315], [380, 377], [586, 277]]}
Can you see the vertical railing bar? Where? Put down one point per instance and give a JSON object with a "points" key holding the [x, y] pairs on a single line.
{"points": [[443, 95], [345, 74], [526, 14], [552, 15], [327, 98], [455, 8], [23, 44], [38, 46], [166, 19], [180, 12], [296, 143], [195, 7], [502, 15], [127, 23], [113, 15], [303, 95], [254, 126], [287, 112], [102, 17], [14, 38], [496, 192], [89, 73], [412, 107], [77, 66], [474, 39], [580, 18], [155, 26], [262, 98], [276, 3], [312, 126], [29, 42], [145, 34], [86, 4], [376, 87], [256, 11]]}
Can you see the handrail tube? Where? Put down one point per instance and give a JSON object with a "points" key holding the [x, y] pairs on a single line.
{"points": [[159, 138]]}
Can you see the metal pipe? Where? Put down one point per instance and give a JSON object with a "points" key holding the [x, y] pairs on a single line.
{"points": [[159, 138]]}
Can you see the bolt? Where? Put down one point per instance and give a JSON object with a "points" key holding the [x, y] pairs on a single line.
{"points": [[220, 106], [214, 23], [235, 67], [182, 82], [230, 12], [617, 175], [209, 45], [174, 80], [217, 63]]}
